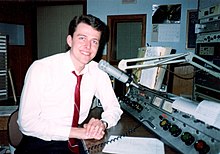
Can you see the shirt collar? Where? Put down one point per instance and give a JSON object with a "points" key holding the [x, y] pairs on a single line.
{"points": [[70, 67]]}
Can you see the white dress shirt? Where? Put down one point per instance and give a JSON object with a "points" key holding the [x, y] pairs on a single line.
{"points": [[47, 99]]}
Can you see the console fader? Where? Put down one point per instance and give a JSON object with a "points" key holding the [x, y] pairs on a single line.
{"points": [[178, 129]]}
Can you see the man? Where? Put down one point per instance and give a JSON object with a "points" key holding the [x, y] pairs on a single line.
{"points": [[46, 108]]}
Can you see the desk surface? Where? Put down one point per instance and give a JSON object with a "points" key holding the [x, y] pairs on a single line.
{"points": [[125, 124]]}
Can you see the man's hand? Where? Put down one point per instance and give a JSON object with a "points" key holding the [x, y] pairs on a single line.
{"points": [[94, 129]]}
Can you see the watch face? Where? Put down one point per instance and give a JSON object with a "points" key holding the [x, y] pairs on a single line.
{"points": [[105, 123]]}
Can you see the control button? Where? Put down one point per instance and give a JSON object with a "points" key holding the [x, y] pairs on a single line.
{"points": [[186, 116], [175, 130], [141, 117], [137, 106], [161, 117], [147, 97], [187, 138], [165, 124], [201, 147], [208, 37], [151, 124], [124, 99]]}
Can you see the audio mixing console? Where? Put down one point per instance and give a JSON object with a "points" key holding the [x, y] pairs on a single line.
{"points": [[176, 128]]}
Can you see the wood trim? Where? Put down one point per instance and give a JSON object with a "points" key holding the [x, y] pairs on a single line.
{"points": [[112, 20]]}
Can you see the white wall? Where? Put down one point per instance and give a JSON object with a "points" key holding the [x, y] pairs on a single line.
{"points": [[102, 8]]}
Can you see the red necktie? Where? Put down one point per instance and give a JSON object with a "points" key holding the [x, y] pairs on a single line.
{"points": [[73, 142]]}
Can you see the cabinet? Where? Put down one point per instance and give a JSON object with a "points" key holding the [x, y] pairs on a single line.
{"points": [[207, 86], [3, 130]]}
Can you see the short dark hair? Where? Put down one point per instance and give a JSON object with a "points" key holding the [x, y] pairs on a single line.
{"points": [[93, 21]]}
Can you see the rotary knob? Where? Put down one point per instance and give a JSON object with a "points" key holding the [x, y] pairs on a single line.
{"points": [[187, 138], [201, 147], [175, 130], [165, 124]]}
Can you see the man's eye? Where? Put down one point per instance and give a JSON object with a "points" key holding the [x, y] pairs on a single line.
{"points": [[82, 38], [95, 42]]}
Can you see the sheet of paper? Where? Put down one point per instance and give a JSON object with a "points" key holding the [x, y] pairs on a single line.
{"points": [[169, 33], [209, 112], [185, 105], [153, 77], [132, 145], [206, 111]]}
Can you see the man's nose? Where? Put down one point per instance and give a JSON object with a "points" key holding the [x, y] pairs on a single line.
{"points": [[88, 44]]}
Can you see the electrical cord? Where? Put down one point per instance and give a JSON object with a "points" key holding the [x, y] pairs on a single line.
{"points": [[100, 145], [179, 76]]}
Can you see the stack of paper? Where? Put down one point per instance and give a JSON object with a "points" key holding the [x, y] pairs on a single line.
{"points": [[206, 111], [131, 145]]}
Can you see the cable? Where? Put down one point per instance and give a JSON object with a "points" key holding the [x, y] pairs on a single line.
{"points": [[179, 76], [100, 145]]}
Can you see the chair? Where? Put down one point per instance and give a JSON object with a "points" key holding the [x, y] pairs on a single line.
{"points": [[14, 134]]}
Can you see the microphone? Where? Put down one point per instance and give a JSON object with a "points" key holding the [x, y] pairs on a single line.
{"points": [[116, 73]]}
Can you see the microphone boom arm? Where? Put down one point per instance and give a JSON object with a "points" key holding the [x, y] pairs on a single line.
{"points": [[188, 57]]}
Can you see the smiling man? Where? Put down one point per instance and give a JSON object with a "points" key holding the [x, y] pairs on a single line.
{"points": [[48, 106]]}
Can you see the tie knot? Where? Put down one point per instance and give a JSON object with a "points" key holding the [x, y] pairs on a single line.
{"points": [[79, 77]]}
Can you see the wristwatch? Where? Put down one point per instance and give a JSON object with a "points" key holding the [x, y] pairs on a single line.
{"points": [[105, 123]]}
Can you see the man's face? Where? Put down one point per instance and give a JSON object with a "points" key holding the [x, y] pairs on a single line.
{"points": [[84, 44]]}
